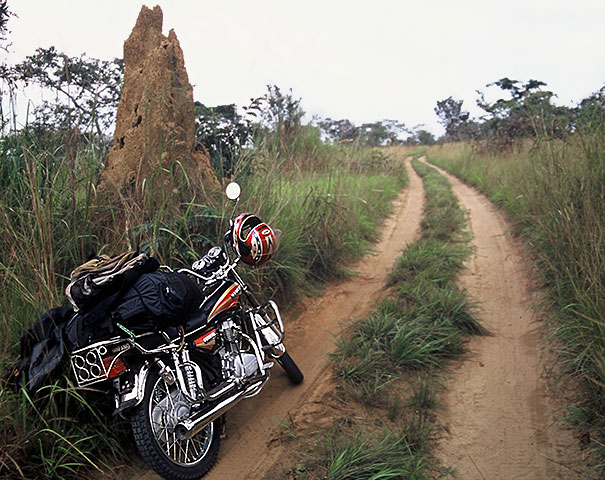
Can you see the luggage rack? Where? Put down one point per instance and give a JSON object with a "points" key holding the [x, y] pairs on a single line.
{"points": [[94, 363]]}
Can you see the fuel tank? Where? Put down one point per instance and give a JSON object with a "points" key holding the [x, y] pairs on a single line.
{"points": [[219, 297]]}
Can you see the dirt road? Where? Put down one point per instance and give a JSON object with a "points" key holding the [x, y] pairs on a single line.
{"points": [[499, 410], [252, 426], [498, 419]]}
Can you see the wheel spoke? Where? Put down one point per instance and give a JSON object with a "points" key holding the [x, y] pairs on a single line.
{"points": [[195, 447], [174, 440], [167, 404], [187, 450]]}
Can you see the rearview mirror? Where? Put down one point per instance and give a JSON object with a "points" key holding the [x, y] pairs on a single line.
{"points": [[233, 191]]}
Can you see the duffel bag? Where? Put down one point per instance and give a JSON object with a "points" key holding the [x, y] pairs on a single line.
{"points": [[166, 298], [103, 277]]}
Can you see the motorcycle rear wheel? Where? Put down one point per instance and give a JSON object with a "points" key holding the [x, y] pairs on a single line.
{"points": [[292, 371], [153, 422]]}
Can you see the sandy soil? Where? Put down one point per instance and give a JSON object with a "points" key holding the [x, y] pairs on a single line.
{"points": [[498, 421], [251, 446], [499, 410]]}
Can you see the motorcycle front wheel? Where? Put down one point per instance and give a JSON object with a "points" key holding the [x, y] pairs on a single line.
{"points": [[292, 371], [153, 425]]}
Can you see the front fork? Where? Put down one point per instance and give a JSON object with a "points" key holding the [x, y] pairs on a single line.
{"points": [[266, 322], [268, 328]]}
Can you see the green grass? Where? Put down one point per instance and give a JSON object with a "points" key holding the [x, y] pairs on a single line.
{"points": [[349, 451], [384, 455], [427, 318], [328, 201], [327, 220], [57, 432], [554, 192], [390, 361]]}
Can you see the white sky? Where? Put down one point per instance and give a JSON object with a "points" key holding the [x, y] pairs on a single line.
{"points": [[357, 59]]}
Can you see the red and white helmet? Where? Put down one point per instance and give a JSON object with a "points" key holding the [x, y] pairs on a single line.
{"points": [[253, 240]]}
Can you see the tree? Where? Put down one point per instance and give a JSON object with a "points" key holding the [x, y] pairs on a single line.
{"points": [[504, 108], [420, 136], [528, 112], [282, 114], [5, 14], [339, 130], [590, 113], [453, 118], [7, 77], [225, 133], [381, 133], [88, 88], [425, 137]]}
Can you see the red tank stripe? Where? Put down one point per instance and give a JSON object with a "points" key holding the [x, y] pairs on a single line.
{"points": [[225, 302]]}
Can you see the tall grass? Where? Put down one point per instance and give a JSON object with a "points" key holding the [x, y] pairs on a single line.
{"points": [[52, 219], [406, 341], [554, 191], [50, 223], [40, 231], [58, 432], [327, 220]]}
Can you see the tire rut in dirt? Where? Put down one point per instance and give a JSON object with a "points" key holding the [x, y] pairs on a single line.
{"points": [[250, 448], [499, 406]]}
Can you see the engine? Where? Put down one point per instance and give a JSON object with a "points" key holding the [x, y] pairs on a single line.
{"points": [[238, 353]]}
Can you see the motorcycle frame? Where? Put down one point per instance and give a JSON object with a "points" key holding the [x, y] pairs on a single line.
{"points": [[272, 331]]}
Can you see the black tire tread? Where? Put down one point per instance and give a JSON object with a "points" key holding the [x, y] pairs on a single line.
{"points": [[149, 450], [292, 371]]}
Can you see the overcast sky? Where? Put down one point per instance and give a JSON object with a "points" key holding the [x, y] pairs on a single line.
{"points": [[357, 59]]}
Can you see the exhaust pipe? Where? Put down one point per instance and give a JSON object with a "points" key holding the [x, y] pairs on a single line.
{"points": [[191, 427]]}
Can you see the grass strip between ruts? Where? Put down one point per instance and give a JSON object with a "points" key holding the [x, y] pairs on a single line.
{"points": [[390, 361]]}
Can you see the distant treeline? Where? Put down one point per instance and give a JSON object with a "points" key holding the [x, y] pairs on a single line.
{"points": [[526, 111]]}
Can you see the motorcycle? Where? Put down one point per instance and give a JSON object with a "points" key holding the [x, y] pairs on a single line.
{"points": [[176, 383]]}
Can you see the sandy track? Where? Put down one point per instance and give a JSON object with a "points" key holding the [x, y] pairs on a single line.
{"points": [[250, 448], [499, 410]]}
